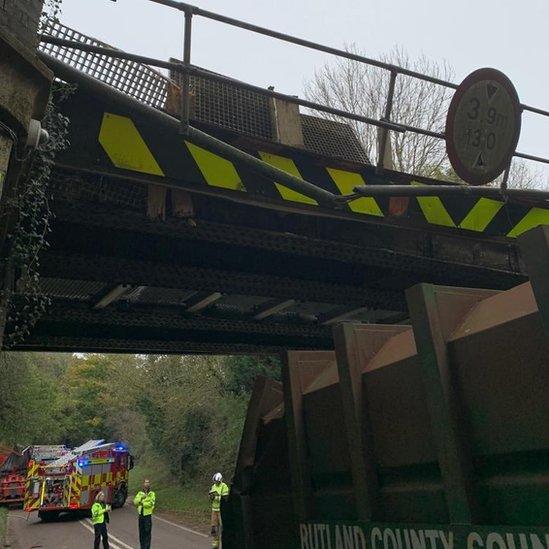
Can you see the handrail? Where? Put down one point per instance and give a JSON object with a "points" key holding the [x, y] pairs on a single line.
{"points": [[191, 10], [450, 190], [187, 69], [191, 70], [195, 10]]}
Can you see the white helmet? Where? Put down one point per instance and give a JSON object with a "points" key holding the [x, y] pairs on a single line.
{"points": [[218, 477]]}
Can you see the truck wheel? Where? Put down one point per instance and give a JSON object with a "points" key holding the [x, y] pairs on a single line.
{"points": [[119, 497], [48, 516]]}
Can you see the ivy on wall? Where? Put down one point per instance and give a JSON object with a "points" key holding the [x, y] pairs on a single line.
{"points": [[33, 215], [31, 210]]}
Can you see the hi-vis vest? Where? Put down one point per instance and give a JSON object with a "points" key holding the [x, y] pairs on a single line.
{"points": [[98, 511], [220, 490], [145, 503]]}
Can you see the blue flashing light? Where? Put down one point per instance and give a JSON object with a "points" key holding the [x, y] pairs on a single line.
{"points": [[119, 448]]}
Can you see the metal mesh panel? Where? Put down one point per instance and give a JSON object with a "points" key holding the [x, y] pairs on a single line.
{"points": [[221, 104], [70, 289], [229, 106], [331, 138], [134, 79]]}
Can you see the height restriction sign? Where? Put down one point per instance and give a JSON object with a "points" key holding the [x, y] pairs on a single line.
{"points": [[483, 126]]}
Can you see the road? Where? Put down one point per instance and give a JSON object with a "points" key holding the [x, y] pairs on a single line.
{"points": [[71, 533]]}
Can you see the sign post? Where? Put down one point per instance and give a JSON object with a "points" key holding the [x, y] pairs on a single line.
{"points": [[483, 126]]}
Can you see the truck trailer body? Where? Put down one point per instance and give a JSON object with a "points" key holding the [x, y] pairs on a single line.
{"points": [[427, 435]]}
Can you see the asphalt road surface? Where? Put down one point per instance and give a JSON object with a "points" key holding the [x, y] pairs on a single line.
{"points": [[72, 533]]}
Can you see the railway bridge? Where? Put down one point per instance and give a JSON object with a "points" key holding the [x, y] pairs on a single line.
{"points": [[195, 213]]}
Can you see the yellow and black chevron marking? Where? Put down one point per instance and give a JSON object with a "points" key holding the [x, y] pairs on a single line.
{"points": [[131, 144], [67, 491], [31, 501], [75, 490], [32, 470]]}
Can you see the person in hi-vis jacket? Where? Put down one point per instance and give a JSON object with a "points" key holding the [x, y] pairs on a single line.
{"points": [[100, 518], [145, 501]]}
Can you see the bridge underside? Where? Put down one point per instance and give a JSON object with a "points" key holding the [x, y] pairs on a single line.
{"points": [[252, 267], [234, 279]]}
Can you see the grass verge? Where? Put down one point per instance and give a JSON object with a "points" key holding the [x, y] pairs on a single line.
{"points": [[3, 525], [188, 505]]}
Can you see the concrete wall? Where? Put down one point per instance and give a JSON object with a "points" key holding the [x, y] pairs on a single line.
{"points": [[20, 18]]}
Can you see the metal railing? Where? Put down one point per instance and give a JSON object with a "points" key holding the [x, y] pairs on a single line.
{"points": [[187, 70], [190, 10]]}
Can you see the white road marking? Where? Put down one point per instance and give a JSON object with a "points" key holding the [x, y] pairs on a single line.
{"points": [[181, 527], [88, 527], [184, 528], [13, 515], [111, 537], [119, 541]]}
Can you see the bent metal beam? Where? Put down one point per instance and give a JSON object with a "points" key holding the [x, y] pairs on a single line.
{"points": [[196, 136]]}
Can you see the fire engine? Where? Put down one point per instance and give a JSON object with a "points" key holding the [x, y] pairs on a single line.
{"points": [[13, 467], [70, 482], [13, 470]]}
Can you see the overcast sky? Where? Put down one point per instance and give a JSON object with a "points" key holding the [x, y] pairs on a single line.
{"points": [[509, 35]]}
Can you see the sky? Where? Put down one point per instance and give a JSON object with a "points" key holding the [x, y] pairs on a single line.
{"points": [[468, 34]]}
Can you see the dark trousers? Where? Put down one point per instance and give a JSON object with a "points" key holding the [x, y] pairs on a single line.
{"points": [[145, 527], [101, 532]]}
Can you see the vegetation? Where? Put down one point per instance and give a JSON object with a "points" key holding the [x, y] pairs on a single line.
{"points": [[362, 89], [3, 524], [182, 416]]}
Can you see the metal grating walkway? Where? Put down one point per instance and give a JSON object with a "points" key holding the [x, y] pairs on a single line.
{"points": [[224, 105]]}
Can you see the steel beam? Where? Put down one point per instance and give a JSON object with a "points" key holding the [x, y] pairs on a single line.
{"points": [[72, 344], [534, 246], [138, 333], [273, 307], [170, 317], [435, 312], [112, 295], [202, 301], [380, 247], [147, 273]]}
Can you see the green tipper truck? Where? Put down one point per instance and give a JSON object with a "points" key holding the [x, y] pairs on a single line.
{"points": [[433, 434]]}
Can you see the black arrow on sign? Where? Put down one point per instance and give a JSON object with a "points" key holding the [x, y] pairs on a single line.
{"points": [[480, 163], [491, 89]]}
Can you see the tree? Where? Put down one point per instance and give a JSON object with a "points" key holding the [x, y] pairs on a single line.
{"points": [[242, 371], [362, 89], [30, 400], [193, 423], [523, 176]]}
